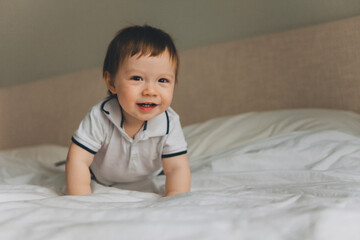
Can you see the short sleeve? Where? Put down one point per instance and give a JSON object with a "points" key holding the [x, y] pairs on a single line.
{"points": [[175, 143], [91, 132]]}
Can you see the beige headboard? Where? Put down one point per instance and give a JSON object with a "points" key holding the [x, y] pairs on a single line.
{"points": [[317, 67]]}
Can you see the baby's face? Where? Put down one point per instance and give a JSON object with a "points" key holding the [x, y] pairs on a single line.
{"points": [[144, 86]]}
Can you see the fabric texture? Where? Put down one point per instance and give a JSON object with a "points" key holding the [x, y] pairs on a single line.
{"points": [[229, 132], [299, 185]]}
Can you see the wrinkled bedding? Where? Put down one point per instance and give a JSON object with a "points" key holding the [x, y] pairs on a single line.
{"points": [[294, 185]]}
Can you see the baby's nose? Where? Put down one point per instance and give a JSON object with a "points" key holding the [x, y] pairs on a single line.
{"points": [[150, 89]]}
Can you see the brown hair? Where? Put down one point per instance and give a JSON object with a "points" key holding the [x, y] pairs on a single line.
{"points": [[143, 40]]}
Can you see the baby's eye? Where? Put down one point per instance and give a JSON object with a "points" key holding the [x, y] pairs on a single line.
{"points": [[163, 80], [136, 78]]}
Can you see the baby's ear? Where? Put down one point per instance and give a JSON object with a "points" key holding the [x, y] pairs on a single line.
{"points": [[109, 82]]}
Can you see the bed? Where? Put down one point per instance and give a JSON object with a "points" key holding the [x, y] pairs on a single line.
{"points": [[273, 130]]}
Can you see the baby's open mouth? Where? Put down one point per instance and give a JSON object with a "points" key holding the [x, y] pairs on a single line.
{"points": [[147, 104]]}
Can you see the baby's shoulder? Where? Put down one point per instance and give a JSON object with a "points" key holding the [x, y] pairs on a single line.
{"points": [[172, 115], [98, 112]]}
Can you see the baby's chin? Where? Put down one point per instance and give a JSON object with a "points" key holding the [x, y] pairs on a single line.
{"points": [[152, 117]]}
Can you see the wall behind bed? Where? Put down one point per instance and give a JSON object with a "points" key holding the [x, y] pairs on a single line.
{"points": [[42, 38], [316, 66], [312, 67]]}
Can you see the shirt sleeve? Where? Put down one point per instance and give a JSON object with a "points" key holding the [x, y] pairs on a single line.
{"points": [[175, 143], [91, 132]]}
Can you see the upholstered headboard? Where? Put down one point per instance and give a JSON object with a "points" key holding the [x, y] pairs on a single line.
{"points": [[313, 67], [316, 67]]}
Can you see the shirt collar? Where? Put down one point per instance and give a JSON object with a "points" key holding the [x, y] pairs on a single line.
{"points": [[158, 126]]}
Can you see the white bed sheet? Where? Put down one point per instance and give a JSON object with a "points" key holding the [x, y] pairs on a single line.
{"points": [[301, 184]]}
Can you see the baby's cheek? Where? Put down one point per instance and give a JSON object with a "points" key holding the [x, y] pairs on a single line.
{"points": [[167, 100]]}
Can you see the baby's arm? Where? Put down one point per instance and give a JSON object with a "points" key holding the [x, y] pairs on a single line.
{"points": [[78, 176], [177, 172]]}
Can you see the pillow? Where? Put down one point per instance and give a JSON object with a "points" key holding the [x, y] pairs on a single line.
{"points": [[233, 131], [47, 154], [230, 132]]}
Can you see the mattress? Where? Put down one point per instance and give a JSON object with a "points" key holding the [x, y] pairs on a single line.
{"points": [[290, 174]]}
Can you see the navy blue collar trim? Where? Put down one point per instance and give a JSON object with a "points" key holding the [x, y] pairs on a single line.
{"points": [[122, 117], [168, 123], [106, 100], [145, 125]]}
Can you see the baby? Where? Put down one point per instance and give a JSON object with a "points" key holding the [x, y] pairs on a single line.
{"points": [[133, 134]]}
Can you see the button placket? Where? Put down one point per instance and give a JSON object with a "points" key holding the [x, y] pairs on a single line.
{"points": [[133, 155]]}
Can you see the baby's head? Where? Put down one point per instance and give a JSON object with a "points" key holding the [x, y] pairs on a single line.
{"points": [[140, 69], [141, 41]]}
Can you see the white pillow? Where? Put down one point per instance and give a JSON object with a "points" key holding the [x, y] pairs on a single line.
{"points": [[233, 131], [48, 154], [229, 132]]}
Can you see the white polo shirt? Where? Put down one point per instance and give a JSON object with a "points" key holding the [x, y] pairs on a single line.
{"points": [[119, 158]]}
